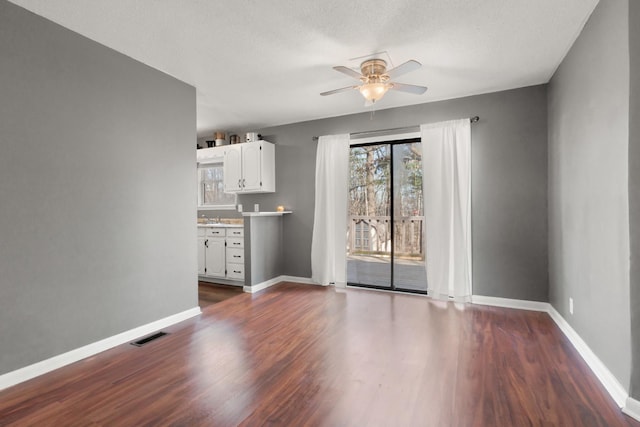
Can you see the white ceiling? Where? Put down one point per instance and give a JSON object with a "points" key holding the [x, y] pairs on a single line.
{"points": [[263, 63]]}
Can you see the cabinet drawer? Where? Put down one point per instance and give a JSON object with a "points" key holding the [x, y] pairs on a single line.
{"points": [[235, 271], [235, 242], [216, 232], [235, 232], [201, 232], [235, 255]]}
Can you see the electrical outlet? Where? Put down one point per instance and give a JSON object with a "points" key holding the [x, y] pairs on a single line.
{"points": [[570, 305]]}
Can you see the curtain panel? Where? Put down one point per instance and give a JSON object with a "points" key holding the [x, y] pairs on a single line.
{"points": [[446, 163], [329, 241]]}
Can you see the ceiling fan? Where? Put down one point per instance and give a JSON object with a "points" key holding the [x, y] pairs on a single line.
{"points": [[376, 79]]}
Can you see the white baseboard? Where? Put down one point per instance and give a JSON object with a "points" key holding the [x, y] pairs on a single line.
{"points": [[632, 408], [275, 281], [296, 279], [28, 372], [262, 285], [608, 380], [511, 303], [616, 390]]}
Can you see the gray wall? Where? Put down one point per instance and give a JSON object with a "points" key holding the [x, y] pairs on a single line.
{"points": [[96, 185], [588, 186], [263, 248], [634, 191], [509, 178]]}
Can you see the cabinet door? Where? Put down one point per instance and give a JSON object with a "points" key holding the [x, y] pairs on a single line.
{"points": [[215, 257], [201, 256], [252, 166], [233, 168], [268, 168]]}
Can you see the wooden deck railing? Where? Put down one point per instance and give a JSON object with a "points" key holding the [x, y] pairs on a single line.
{"points": [[371, 235]]}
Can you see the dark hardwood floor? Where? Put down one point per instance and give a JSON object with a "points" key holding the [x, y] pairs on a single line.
{"points": [[211, 293], [307, 355]]}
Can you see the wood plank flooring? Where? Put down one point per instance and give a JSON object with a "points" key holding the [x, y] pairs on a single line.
{"points": [[297, 355], [211, 293]]}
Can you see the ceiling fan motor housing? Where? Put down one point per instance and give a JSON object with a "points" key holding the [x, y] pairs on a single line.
{"points": [[373, 71]]}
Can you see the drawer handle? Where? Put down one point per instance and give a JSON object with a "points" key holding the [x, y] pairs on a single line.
{"points": [[237, 256], [236, 243], [236, 271]]}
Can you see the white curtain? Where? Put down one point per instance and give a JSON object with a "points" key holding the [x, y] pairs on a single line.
{"points": [[328, 246], [446, 163]]}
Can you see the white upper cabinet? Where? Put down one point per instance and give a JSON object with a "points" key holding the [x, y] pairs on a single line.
{"points": [[250, 168], [233, 168]]}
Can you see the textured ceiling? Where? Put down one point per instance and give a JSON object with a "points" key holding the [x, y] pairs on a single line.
{"points": [[263, 63]]}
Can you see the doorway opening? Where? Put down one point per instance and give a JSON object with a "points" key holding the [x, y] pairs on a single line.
{"points": [[385, 245]]}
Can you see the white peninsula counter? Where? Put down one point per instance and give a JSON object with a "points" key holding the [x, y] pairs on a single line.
{"points": [[264, 248]]}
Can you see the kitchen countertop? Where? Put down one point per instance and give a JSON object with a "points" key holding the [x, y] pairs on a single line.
{"points": [[265, 213], [221, 225]]}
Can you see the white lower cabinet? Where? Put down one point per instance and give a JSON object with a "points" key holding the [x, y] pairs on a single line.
{"points": [[235, 257], [215, 257], [219, 255], [201, 252]]}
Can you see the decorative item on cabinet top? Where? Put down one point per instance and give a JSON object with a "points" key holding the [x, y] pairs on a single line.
{"points": [[220, 139], [252, 137]]}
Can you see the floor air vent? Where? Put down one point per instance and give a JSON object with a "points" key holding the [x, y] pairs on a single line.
{"points": [[148, 339]]}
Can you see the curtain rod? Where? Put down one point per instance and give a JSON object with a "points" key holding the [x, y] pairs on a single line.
{"points": [[473, 119]]}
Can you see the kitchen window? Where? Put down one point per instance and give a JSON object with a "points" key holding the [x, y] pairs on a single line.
{"points": [[211, 193]]}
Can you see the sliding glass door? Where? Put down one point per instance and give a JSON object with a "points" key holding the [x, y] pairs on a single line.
{"points": [[369, 244], [385, 248]]}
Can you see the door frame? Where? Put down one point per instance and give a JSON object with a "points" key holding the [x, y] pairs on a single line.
{"points": [[389, 140]]}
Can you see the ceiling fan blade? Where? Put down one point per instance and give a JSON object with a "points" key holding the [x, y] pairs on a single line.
{"points": [[343, 89], [401, 69], [348, 71], [416, 90]]}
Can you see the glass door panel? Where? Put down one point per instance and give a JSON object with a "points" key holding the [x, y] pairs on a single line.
{"points": [[370, 234], [409, 271]]}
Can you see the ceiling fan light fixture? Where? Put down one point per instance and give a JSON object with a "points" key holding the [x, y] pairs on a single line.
{"points": [[373, 92], [375, 79]]}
